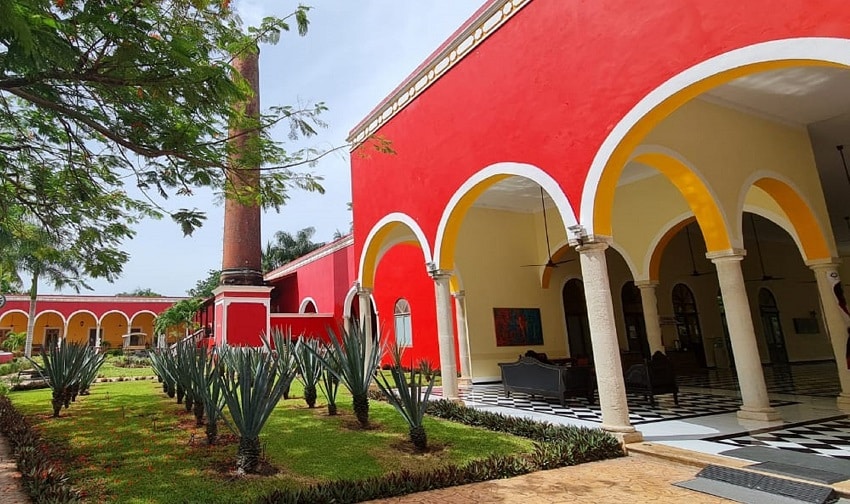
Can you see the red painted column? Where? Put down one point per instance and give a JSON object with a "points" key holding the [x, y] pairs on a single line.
{"points": [[242, 300]]}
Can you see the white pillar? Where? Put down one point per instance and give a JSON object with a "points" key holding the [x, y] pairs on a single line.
{"points": [[649, 302], [445, 333], [606, 347], [98, 338], [756, 403], [826, 274], [364, 297], [463, 339]]}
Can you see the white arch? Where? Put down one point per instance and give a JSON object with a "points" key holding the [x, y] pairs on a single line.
{"points": [[142, 312], [402, 218], [305, 302], [647, 259], [531, 172], [82, 311], [778, 220], [831, 50], [100, 320], [346, 304], [47, 312], [9, 312]]}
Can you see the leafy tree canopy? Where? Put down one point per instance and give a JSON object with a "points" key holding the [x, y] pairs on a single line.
{"points": [[204, 288], [97, 96], [285, 247], [140, 292]]}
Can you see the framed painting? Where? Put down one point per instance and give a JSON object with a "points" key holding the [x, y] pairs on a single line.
{"points": [[518, 326]]}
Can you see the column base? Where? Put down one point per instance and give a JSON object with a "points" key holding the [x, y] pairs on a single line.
{"points": [[759, 414], [625, 435], [843, 402]]}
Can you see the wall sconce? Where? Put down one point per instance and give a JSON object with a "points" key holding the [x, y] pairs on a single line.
{"points": [[81, 323]]}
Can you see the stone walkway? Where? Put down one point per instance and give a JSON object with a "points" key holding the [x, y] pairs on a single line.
{"points": [[636, 478], [10, 479]]}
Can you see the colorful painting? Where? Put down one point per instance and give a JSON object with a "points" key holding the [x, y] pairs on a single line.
{"points": [[518, 326]]}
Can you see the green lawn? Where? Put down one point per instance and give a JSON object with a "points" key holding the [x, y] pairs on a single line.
{"points": [[110, 370], [128, 442]]}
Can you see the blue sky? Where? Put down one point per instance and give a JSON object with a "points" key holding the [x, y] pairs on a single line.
{"points": [[354, 55]]}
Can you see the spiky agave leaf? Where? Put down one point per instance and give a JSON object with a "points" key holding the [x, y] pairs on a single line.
{"points": [[64, 368], [306, 354], [408, 394], [353, 362], [281, 344], [329, 382], [251, 386]]}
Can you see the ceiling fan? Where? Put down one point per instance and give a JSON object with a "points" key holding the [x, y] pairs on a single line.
{"points": [[694, 272], [549, 262], [764, 276]]}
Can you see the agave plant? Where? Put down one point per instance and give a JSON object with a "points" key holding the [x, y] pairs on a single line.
{"points": [[409, 395], [329, 382], [162, 363], [251, 386], [282, 347], [207, 390], [306, 354], [66, 368], [353, 362]]}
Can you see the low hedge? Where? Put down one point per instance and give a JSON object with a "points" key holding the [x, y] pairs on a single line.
{"points": [[554, 446], [43, 480]]}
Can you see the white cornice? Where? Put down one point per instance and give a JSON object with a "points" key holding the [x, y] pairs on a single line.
{"points": [[483, 24], [96, 299], [313, 256]]}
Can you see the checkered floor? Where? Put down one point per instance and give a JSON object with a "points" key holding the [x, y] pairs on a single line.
{"points": [[690, 405], [819, 379], [829, 438]]}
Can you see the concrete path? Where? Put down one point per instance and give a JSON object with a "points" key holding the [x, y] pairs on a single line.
{"points": [[637, 478], [10, 479]]}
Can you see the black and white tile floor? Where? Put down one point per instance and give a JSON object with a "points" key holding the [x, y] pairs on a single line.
{"points": [[690, 405], [830, 437], [817, 380]]}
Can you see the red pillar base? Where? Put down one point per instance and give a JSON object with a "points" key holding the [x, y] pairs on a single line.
{"points": [[241, 314]]}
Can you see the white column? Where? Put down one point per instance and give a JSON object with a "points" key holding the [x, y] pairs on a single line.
{"points": [[606, 347], [364, 297], [649, 302], [445, 333], [98, 338], [756, 404], [826, 274], [463, 339]]}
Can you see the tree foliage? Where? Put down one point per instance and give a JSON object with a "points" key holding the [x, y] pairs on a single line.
{"points": [[204, 288], [140, 292], [285, 247], [99, 96]]}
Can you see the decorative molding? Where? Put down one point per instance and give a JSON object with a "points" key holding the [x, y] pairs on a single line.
{"points": [[313, 256], [483, 24], [96, 299]]}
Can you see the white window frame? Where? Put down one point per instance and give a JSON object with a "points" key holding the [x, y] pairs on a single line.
{"points": [[400, 315]]}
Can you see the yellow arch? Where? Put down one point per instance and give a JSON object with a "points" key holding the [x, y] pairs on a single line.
{"points": [[453, 223], [603, 205], [805, 224], [556, 256], [711, 222], [658, 251]]}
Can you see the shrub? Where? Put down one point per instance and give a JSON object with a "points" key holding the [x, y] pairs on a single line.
{"points": [[68, 370], [555, 446], [409, 395], [42, 479]]}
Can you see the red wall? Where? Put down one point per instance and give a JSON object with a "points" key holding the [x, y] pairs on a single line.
{"points": [[66, 305], [549, 86], [246, 322], [401, 274], [313, 326]]}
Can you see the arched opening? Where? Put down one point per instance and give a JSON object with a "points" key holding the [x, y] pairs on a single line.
{"points": [[13, 321], [308, 305], [578, 327], [402, 324], [772, 327], [113, 326], [81, 328], [633, 319], [688, 330]]}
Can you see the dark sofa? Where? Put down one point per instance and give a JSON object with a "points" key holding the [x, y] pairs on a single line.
{"points": [[531, 376], [652, 378]]}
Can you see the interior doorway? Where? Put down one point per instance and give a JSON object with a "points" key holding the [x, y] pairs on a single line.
{"points": [[578, 327], [688, 329], [634, 319], [772, 327]]}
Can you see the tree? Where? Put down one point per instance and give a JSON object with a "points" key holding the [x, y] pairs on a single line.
{"points": [[285, 248], [140, 292], [204, 288], [42, 255], [96, 95]]}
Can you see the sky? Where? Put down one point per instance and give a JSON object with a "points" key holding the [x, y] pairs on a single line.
{"points": [[354, 55]]}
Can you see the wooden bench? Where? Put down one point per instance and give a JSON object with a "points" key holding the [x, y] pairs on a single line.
{"points": [[530, 376]]}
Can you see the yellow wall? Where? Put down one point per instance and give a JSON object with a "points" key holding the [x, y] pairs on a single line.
{"points": [[114, 326], [17, 321], [45, 321], [77, 332]]}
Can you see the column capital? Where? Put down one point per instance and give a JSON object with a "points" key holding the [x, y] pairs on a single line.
{"points": [[734, 254], [598, 246], [364, 291], [829, 263], [646, 284], [459, 295], [440, 274]]}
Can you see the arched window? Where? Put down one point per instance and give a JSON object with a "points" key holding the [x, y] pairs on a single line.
{"points": [[633, 317], [403, 329], [687, 323], [578, 327], [772, 327]]}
